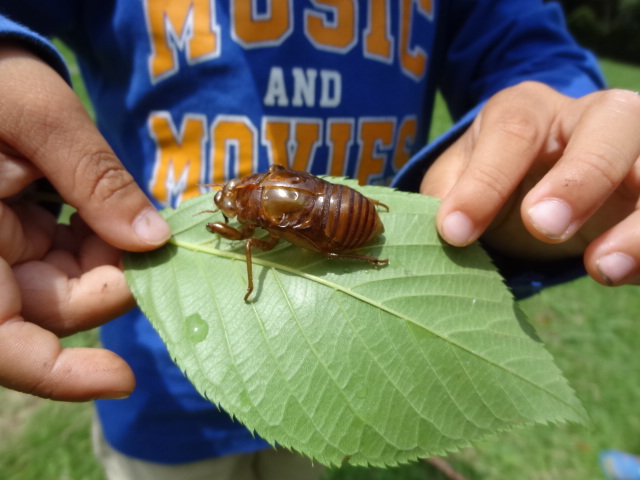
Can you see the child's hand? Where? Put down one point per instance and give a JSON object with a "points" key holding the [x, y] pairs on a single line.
{"points": [[58, 280], [544, 176]]}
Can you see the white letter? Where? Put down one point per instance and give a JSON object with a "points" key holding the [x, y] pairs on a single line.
{"points": [[304, 87], [276, 91], [331, 88]]}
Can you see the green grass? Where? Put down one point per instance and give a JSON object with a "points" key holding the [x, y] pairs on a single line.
{"points": [[618, 75], [592, 332], [621, 75], [441, 120], [54, 444], [47, 440]]}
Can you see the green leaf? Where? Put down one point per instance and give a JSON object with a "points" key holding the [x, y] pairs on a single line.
{"points": [[340, 360]]}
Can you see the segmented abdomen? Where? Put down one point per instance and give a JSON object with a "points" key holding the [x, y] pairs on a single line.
{"points": [[349, 219]]}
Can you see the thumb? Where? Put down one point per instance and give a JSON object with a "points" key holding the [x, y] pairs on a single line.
{"points": [[43, 120], [442, 175]]}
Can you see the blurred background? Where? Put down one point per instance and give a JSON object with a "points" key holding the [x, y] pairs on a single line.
{"points": [[610, 28]]}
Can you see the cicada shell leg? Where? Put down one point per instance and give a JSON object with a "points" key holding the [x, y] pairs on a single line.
{"points": [[378, 204], [262, 245], [231, 233]]}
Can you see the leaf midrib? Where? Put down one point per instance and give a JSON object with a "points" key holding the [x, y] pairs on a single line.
{"points": [[279, 266]]}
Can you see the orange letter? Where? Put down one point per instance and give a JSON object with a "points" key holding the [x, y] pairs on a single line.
{"points": [[374, 135], [295, 151], [179, 161], [233, 143], [378, 43], [339, 140], [339, 34], [275, 136], [306, 142], [404, 142], [174, 26], [254, 29], [412, 59]]}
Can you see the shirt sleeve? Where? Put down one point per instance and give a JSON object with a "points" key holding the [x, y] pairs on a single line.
{"points": [[488, 46], [15, 32], [483, 47], [498, 44]]}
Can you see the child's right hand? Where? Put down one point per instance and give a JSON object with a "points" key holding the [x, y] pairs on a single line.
{"points": [[57, 280]]}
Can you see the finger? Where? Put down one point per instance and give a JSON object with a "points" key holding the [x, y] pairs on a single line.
{"points": [[33, 361], [15, 173], [43, 120], [26, 232], [504, 141], [614, 257], [66, 305], [64, 261], [93, 252], [70, 237], [442, 175], [602, 149]]}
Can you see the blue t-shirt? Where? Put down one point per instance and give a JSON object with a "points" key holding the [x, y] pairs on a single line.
{"points": [[194, 92]]}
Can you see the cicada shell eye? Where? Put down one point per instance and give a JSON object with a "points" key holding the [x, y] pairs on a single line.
{"points": [[225, 200], [217, 198], [228, 206]]}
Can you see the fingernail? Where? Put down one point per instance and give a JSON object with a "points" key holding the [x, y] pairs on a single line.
{"points": [[458, 229], [114, 396], [151, 227], [552, 218], [616, 267]]}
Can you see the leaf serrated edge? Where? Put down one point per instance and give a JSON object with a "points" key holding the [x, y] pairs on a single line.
{"points": [[577, 409]]}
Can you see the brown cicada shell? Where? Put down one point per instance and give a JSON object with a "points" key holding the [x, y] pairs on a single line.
{"points": [[301, 208]]}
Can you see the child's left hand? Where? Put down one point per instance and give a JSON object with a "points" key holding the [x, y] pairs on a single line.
{"points": [[543, 176]]}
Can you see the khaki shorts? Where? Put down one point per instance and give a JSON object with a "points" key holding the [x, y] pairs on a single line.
{"points": [[268, 464]]}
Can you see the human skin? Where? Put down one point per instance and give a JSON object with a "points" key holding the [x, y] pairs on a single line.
{"points": [[558, 177], [578, 155], [57, 280]]}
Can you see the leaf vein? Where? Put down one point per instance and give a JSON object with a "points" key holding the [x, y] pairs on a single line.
{"points": [[349, 291]]}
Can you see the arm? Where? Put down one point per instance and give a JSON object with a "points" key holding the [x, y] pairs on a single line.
{"points": [[483, 48], [554, 167], [12, 32], [499, 44]]}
